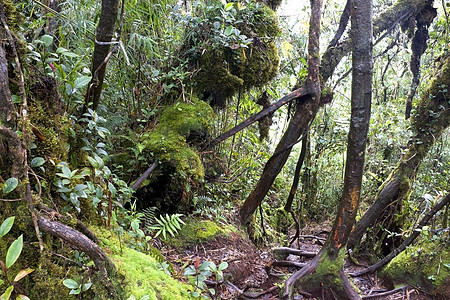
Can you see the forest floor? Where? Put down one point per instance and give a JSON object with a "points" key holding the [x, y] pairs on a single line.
{"points": [[251, 273]]}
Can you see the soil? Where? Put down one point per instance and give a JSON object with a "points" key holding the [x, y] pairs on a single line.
{"points": [[251, 274]]}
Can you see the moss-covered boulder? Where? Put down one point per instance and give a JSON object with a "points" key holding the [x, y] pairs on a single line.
{"points": [[426, 266], [231, 47], [199, 231]]}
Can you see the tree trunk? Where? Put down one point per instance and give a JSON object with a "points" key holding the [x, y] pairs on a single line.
{"points": [[105, 31], [328, 264], [307, 107], [431, 119]]}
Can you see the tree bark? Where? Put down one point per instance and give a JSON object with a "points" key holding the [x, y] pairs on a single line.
{"points": [[7, 109], [78, 241], [431, 119], [331, 253], [105, 32]]}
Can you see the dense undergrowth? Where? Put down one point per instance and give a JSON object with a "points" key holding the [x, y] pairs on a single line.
{"points": [[184, 73]]}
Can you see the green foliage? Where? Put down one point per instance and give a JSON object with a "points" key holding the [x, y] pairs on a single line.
{"points": [[75, 287], [10, 185], [13, 253], [198, 273], [164, 224]]}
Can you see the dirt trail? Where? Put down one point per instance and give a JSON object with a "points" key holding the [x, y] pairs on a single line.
{"points": [[253, 273]]}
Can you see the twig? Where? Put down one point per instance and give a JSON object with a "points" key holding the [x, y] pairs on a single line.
{"points": [[385, 293], [71, 260], [144, 176], [257, 295], [12, 200]]}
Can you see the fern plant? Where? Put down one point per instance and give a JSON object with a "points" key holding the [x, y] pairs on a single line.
{"points": [[167, 224], [148, 216]]}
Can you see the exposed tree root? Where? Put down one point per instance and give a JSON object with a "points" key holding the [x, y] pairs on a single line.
{"points": [[286, 251], [78, 241], [288, 263], [402, 288]]}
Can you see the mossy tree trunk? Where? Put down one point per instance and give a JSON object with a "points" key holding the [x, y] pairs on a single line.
{"points": [[431, 119], [326, 276], [306, 108]]}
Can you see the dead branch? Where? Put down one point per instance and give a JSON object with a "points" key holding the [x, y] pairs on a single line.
{"points": [[257, 295], [77, 241], [284, 100], [288, 263], [286, 251], [144, 176], [402, 288]]}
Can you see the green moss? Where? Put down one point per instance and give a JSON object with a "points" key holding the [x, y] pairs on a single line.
{"points": [[224, 67], [140, 272], [186, 117], [168, 142], [424, 265], [195, 232], [279, 220], [326, 273]]}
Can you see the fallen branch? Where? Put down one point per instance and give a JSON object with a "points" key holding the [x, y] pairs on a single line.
{"points": [[286, 251], [288, 263], [254, 295], [78, 241], [144, 176], [312, 237], [408, 241], [385, 293], [284, 100]]}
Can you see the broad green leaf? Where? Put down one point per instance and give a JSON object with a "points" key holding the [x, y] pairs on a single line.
{"points": [[46, 39], [223, 265], [66, 172], [82, 81], [22, 274], [7, 293], [70, 283], [6, 226], [22, 297], [86, 286], [229, 6], [229, 30], [14, 252], [112, 189], [16, 99], [37, 161], [93, 162], [10, 185], [70, 54]]}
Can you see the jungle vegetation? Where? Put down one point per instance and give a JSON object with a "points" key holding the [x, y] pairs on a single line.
{"points": [[125, 124]]}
